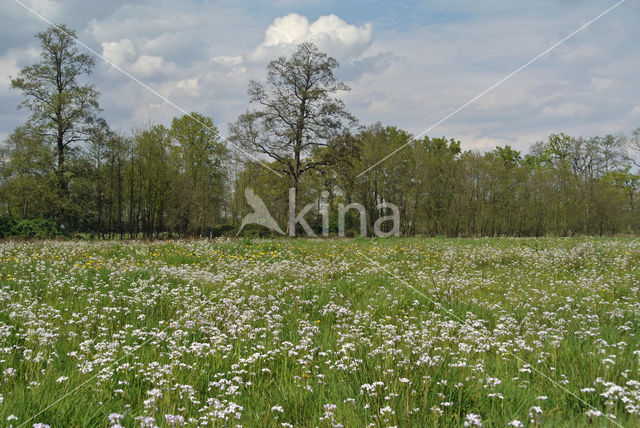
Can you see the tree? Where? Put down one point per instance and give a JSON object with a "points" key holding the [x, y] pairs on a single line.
{"points": [[200, 156], [28, 188], [634, 145], [154, 176], [62, 109], [298, 114]]}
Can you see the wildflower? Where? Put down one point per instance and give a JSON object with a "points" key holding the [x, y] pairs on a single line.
{"points": [[535, 415], [174, 420], [386, 410], [516, 423], [472, 420], [148, 422], [330, 407], [115, 418], [277, 409], [591, 413]]}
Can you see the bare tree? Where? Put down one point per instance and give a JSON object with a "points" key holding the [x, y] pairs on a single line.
{"points": [[298, 114]]}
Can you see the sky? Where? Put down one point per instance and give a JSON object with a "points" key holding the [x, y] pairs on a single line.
{"points": [[408, 63]]}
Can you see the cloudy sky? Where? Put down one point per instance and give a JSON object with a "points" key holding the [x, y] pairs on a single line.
{"points": [[409, 63]]}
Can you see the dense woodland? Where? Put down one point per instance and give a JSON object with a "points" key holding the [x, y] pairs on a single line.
{"points": [[66, 173]]}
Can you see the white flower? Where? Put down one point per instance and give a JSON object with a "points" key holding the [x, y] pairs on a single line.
{"points": [[115, 418], [61, 379], [472, 420], [148, 422], [593, 413], [516, 423], [174, 420], [386, 410], [277, 409]]}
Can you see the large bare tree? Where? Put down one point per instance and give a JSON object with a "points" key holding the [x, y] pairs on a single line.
{"points": [[298, 114]]}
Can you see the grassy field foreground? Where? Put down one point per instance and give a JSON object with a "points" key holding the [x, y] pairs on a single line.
{"points": [[404, 332]]}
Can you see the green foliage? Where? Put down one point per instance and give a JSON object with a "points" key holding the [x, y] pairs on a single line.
{"points": [[7, 225], [389, 332], [38, 228], [299, 115], [66, 164]]}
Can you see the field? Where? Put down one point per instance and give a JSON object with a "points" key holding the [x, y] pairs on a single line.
{"points": [[391, 332]]}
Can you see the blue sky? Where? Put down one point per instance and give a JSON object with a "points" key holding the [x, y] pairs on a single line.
{"points": [[409, 63]]}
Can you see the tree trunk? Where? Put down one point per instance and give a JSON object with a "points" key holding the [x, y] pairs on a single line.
{"points": [[293, 205]]}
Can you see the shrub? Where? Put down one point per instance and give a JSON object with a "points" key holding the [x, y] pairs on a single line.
{"points": [[37, 228], [7, 223]]}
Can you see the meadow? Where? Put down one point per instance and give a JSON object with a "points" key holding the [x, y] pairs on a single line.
{"points": [[386, 332]]}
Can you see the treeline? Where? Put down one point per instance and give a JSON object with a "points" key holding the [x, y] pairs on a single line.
{"points": [[563, 186], [66, 173], [160, 181], [182, 181]]}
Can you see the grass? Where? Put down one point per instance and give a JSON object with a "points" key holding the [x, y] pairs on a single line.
{"points": [[406, 332]]}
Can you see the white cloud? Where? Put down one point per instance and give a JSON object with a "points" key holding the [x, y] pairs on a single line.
{"points": [[426, 59], [330, 33], [148, 66], [569, 109], [601, 83], [120, 53], [227, 60], [8, 67], [48, 8], [289, 29], [186, 87]]}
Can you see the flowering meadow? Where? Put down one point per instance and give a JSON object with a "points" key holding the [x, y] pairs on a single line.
{"points": [[389, 332]]}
